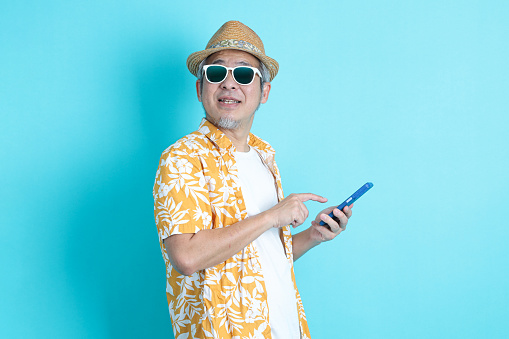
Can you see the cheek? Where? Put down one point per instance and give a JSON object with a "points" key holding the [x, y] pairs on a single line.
{"points": [[253, 94], [207, 94]]}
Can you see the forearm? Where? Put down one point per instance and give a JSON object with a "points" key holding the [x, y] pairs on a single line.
{"points": [[190, 253], [303, 242]]}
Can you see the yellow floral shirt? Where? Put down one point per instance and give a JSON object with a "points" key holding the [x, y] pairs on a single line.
{"points": [[196, 188]]}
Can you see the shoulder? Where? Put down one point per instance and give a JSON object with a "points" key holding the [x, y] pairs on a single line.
{"points": [[188, 146]]}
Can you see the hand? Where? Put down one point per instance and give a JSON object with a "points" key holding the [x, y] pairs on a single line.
{"points": [[323, 233], [291, 210]]}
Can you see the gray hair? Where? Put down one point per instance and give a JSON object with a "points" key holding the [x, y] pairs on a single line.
{"points": [[263, 70]]}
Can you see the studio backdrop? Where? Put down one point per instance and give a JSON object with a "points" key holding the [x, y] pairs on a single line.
{"points": [[411, 96]]}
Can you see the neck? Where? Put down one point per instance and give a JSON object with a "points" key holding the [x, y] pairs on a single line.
{"points": [[238, 135], [238, 138]]}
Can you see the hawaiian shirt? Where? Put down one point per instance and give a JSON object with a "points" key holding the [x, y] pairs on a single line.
{"points": [[196, 188]]}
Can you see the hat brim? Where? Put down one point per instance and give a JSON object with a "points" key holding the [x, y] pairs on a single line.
{"points": [[194, 60]]}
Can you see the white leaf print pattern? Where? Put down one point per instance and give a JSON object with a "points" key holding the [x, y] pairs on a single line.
{"points": [[197, 188]]}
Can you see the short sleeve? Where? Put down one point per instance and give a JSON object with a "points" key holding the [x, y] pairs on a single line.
{"points": [[181, 197]]}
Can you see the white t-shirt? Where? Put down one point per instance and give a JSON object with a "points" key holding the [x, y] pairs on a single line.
{"points": [[259, 191]]}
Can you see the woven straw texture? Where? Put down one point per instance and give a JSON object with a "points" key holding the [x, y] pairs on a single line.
{"points": [[234, 35]]}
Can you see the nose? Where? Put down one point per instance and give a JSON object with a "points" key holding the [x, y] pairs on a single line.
{"points": [[229, 82]]}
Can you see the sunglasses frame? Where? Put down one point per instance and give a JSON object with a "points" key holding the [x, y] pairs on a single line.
{"points": [[255, 70]]}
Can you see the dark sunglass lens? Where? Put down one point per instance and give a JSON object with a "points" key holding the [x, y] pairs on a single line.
{"points": [[216, 73], [243, 75]]}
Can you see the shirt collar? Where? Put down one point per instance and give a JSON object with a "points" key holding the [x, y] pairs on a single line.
{"points": [[215, 135]]}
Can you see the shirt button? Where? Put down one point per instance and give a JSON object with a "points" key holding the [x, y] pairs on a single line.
{"points": [[240, 201]]}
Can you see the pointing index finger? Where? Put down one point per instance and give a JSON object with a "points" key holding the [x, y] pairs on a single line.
{"points": [[310, 196]]}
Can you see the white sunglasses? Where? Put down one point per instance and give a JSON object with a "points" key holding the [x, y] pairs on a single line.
{"points": [[243, 75]]}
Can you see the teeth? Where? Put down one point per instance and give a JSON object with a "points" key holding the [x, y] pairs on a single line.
{"points": [[228, 101]]}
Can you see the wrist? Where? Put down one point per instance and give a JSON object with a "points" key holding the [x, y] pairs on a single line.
{"points": [[312, 240], [268, 219]]}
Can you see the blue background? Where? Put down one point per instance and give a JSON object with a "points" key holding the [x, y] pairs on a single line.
{"points": [[412, 96]]}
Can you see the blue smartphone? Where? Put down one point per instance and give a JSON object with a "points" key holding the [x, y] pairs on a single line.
{"points": [[351, 199]]}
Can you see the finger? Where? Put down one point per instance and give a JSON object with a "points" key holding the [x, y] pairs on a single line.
{"points": [[325, 233], [348, 211], [324, 226], [299, 215], [304, 211], [333, 224], [342, 218], [310, 196], [329, 209]]}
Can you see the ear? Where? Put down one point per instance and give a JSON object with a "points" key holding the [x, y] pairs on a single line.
{"points": [[198, 90], [265, 93]]}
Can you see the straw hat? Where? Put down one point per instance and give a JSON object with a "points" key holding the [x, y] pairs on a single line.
{"points": [[234, 35]]}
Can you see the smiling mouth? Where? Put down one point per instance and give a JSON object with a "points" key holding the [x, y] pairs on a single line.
{"points": [[229, 101]]}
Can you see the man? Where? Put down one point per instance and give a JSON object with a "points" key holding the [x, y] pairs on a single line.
{"points": [[223, 224]]}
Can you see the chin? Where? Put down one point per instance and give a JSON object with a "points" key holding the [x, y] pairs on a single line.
{"points": [[224, 122], [228, 123]]}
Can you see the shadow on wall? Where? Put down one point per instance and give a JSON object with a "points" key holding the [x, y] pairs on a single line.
{"points": [[113, 262]]}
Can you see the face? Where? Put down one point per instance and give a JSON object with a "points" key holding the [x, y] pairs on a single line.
{"points": [[229, 101]]}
